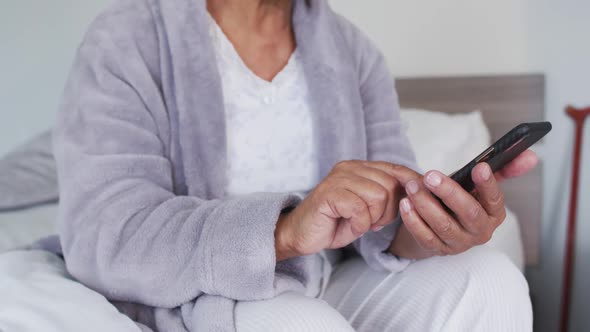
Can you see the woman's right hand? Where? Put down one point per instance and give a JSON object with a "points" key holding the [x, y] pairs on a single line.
{"points": [[357, 196]]}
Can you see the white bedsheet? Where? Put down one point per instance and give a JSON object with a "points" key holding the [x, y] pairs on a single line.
{"points": [[37, 294]]}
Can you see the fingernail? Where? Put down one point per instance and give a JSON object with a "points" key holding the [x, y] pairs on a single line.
{"points": [[412, 187], [405, 205], [377, 228], [485, 172], [433, 179]]}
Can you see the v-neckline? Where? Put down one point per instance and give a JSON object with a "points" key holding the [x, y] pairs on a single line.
{"points": [[226, 45], [195, 85]]}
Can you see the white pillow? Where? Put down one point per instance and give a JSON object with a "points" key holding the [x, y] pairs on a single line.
{"points": [[445, 142], [507, 239], [27, 175], [23, 227], [38, 294]]}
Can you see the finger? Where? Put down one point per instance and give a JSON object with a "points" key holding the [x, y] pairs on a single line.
{"points": [[421, 232], [467, 209], [434, 214], [343, 235], [373, 194], [351, 207], [489, 192], [522, 164], [401, 173], [393, 188]]}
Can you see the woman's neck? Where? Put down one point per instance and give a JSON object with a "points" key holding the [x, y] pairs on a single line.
{"points": [[260, 31], [263, 17]]}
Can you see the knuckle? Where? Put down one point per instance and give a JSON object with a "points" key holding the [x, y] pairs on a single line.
{"points": [[497, 199], [446, 251], [391, 185], [445, 230], [483, 238], [342, 165], [381, 195], [474, 212], [326, 186], [395, 167], [430, 243], [446, 225], [359, 207]]}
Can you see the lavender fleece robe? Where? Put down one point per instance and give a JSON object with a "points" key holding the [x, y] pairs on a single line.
{"points": [[140, 146]]}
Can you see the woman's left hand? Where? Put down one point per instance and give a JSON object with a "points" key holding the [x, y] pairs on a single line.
{"points": [[429, 229]]}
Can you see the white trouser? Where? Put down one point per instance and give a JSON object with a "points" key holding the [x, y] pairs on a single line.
{"points": [[479, 290]]}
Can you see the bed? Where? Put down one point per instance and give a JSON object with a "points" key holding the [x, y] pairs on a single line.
{"points": [[499, 102]]}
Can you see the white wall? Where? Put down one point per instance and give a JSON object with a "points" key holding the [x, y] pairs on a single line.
{"points": [[559, 44], [445, 37], [421, 38], [38, 40], [418, 37]]}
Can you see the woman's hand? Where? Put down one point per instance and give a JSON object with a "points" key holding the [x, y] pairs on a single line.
{"points": [[430, 229], [355, 197]]}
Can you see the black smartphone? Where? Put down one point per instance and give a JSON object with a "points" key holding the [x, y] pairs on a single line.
{"points": [[503, 150]]}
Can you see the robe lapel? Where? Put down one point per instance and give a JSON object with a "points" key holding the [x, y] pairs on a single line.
{"points": [[199, 101], [333, 85]]}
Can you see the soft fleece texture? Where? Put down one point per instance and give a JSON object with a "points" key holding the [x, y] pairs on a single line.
{"points": [[140, 149]]}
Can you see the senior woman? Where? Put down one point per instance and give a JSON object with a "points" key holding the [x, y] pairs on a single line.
{"points": [[211, 152]]}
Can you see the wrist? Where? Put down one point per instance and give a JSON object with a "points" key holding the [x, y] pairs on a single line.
{"points": [[284, 246]]}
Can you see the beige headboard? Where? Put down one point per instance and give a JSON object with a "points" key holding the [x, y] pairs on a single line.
{"points": [[504, 101]]}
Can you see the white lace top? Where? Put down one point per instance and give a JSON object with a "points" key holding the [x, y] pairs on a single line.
{"points": [[270, 141]]}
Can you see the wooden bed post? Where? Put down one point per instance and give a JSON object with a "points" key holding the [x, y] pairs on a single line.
{"points": [[578, 115]]}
